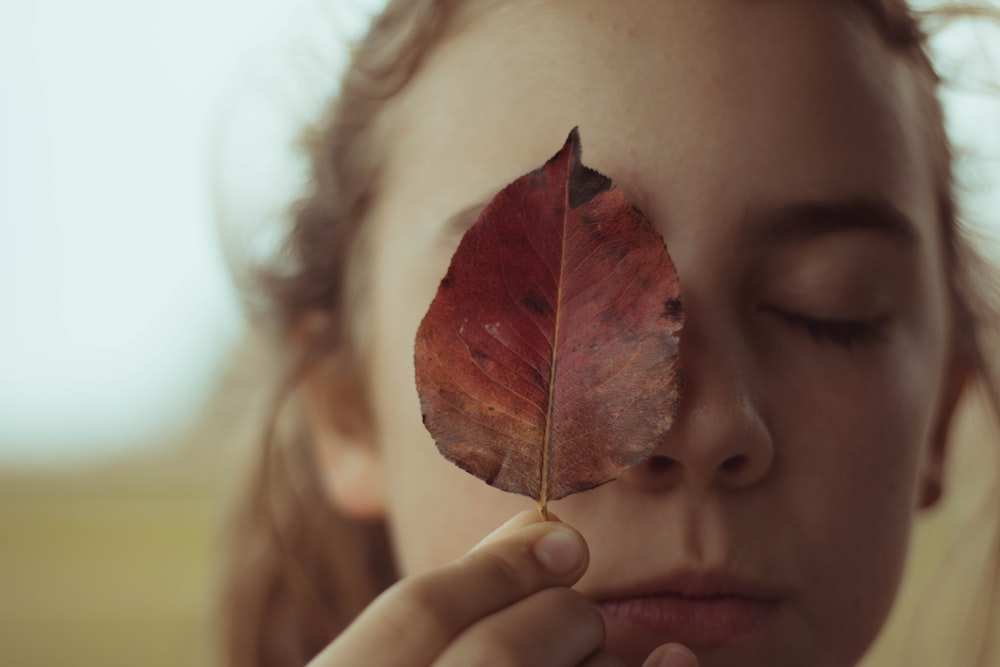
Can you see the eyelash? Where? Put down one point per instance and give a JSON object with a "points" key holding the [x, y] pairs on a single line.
{"points": [[845, 333]]}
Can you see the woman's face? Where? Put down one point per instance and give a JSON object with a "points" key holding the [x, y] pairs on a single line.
{"points": [[797, 457]]}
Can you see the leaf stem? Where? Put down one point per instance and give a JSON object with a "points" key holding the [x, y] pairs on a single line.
{"points": [[545, 472]]}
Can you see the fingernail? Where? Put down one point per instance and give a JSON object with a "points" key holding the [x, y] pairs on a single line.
{"points": [[559, 551], [677, 657]]}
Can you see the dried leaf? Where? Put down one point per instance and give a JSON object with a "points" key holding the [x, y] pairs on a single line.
{"points": [[547, 363]]}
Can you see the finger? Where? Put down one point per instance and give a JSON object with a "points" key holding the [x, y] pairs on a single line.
{"points": [[671, 655], [412, 622], [556, 627], [519, 520]]}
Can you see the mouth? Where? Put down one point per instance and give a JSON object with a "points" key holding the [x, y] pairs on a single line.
{"points": [[697, 609]]}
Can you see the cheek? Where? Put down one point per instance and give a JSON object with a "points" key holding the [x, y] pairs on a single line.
{"points": [[868, 422], [851, 436], [436, 511]]}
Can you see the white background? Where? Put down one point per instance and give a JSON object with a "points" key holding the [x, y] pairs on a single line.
{"points": [[117, 118]]}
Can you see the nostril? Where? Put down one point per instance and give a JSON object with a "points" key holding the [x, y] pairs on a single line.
{"points": [[735, 463], [660, 463]]}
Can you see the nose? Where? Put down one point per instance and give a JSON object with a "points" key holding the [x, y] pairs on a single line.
{"points": [[719, 437]]}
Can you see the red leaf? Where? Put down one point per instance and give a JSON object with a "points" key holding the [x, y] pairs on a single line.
{"points": [[547, 363]]}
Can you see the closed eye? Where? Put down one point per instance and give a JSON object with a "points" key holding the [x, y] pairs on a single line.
{"points": [[845, 333]]}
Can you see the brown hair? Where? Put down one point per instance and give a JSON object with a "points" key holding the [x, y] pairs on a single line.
{"points": [[297, 571]]}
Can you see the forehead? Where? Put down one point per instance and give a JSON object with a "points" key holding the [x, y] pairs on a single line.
{"points": [[697, 107]]}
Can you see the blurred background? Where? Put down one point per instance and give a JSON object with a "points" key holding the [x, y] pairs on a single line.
{"points": [[133, 134], [128, 130]]}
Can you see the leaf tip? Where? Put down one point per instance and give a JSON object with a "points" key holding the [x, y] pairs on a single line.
{"points": [[573, 141], [583, 182]]}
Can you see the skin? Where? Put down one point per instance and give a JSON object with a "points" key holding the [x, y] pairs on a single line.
{"points": [[796, 460]]}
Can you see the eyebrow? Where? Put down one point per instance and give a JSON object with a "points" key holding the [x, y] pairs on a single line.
{"points": [[808, 220], [458, 223]]}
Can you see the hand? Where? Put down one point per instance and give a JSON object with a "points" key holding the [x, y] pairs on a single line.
{"points": [[506, 602]]}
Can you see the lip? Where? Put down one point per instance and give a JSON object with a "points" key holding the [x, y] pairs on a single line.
{"points": [[696, 608]]}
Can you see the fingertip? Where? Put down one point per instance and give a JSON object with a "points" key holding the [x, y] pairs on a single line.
{"points": [[520, 520], [561, 550], [558, 547], [671, 655]]}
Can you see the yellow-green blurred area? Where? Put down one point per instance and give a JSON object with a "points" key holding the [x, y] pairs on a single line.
{"points": [[110, 567], [117, 565]]}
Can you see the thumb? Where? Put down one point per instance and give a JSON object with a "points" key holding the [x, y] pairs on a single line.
{"points": [[671, 655], [519, 521]]}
